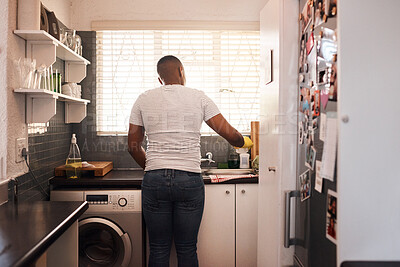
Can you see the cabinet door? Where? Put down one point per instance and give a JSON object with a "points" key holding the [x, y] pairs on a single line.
{"points": [[246, 224], [216, 241]]}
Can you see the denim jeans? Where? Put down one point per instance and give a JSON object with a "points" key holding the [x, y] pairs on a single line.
{"points": [[173, 203]]}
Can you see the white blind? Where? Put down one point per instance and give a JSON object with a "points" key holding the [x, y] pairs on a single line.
{"points": [[224, 64]]}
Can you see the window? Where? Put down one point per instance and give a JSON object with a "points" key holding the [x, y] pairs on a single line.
{"points": [[225, 64]]}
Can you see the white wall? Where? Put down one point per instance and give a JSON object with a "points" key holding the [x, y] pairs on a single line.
{"points": [[369, 144], [278, 138], [3, 91], [16, 126], [84, 12]]}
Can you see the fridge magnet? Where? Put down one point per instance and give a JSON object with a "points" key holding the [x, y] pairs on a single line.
{"points": [[331, 211], [301, 133], [268, 68], [316, 100], [318, 179], [310, 157], [310, 43], [305, 185], [306, 16], [315, 124]]}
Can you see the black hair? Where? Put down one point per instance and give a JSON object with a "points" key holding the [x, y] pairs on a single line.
{"points": [[167, 59]]}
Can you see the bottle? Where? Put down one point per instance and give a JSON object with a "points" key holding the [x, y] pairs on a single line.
{"points": [[74, 161], [233, 160], [244, 158]]}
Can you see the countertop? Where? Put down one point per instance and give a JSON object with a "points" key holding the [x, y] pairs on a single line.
{"points": [[122, 179], [28, 229]]}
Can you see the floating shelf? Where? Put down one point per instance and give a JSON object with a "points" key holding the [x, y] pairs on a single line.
{"points": [[45, 49], [41, 106]]}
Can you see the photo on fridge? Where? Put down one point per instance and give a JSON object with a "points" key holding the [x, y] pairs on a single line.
{"points": [[330, 9], [315, 103], [306, 16], [311, 154], [331, 211], [305, 185]]}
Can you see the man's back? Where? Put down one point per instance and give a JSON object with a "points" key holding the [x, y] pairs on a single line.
{"points": [[172, 116]]}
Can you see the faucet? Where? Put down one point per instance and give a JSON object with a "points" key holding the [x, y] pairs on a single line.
{"points": [[208, 158]]}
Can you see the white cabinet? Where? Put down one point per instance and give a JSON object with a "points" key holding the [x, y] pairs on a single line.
{"points": [[228, 231], [246, 224], [216, 241]]}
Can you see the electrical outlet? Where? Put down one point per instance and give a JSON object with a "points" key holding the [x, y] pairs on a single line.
{"points": [[20, 143]]}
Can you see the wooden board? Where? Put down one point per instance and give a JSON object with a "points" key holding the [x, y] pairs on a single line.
{"points": [[254, 136], [100, 168]]}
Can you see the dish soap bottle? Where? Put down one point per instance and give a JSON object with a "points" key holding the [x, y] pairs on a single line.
{"points": [[74, 161]]}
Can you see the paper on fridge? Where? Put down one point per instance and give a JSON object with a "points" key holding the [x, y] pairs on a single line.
{"points": [[318, 178], [322, 131], [329, 151]]}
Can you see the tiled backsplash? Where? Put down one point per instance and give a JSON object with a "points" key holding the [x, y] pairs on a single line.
{"points": [[48, 146]]}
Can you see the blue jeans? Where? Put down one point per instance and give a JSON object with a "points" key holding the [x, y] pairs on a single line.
{"points": [[173, 203]]}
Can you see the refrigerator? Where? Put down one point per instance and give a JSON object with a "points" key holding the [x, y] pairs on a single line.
{"points": [[315, 220]]}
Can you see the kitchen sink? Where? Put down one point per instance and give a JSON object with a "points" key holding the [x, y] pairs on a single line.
{"points": [[211, 171]]}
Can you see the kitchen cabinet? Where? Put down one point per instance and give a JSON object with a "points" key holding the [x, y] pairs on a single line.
{"points": [[246, 224], [228, 231], [216, 241]]}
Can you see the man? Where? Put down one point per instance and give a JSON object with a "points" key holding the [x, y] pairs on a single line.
{"points": [[172, 187]]}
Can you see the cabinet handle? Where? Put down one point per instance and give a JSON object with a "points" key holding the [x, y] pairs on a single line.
{"points": [[227, 192], [243, 191]]}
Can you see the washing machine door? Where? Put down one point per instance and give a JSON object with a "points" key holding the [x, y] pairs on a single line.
{"points": [[102, 243]]}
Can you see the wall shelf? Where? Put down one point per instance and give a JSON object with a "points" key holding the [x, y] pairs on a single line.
{"points": [[43, 47], [41, 106]]}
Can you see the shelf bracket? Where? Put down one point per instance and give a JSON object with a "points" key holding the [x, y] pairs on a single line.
{"points": [[74, 112], [43, 51], [40, 109], [75, 72]]}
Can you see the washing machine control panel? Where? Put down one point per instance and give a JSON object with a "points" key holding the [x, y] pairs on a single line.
{"points": [[114, 200]]}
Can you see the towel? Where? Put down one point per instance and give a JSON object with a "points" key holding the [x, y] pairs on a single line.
{"points": [[223, 178]]}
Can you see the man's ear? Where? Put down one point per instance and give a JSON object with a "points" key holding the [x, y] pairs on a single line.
{"points": [[161, 81], [180, 71]]}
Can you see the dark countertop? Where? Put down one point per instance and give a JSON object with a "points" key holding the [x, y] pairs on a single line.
{"points": [[28, 229], [122, 179]]}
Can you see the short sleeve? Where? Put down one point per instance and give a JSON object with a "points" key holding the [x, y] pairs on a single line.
{"points": [[210, 109], [136, 114]]}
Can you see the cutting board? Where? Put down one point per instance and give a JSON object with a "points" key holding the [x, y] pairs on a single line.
{"points": [[100, 168]]}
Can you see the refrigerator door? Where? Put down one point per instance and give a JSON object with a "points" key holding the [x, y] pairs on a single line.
{"points": [[303, 211]]}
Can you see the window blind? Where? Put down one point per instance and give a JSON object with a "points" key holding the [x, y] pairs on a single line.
{"points": [[224, 64]]}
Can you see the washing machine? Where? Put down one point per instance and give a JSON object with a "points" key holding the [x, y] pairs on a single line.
{"points": [[111, 230]]}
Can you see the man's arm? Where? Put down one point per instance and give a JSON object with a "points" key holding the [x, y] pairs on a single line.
{"points": [[135, 139], [220, 125]]}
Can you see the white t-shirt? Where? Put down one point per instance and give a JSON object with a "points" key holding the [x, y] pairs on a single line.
{"points": [[172, 116]]}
